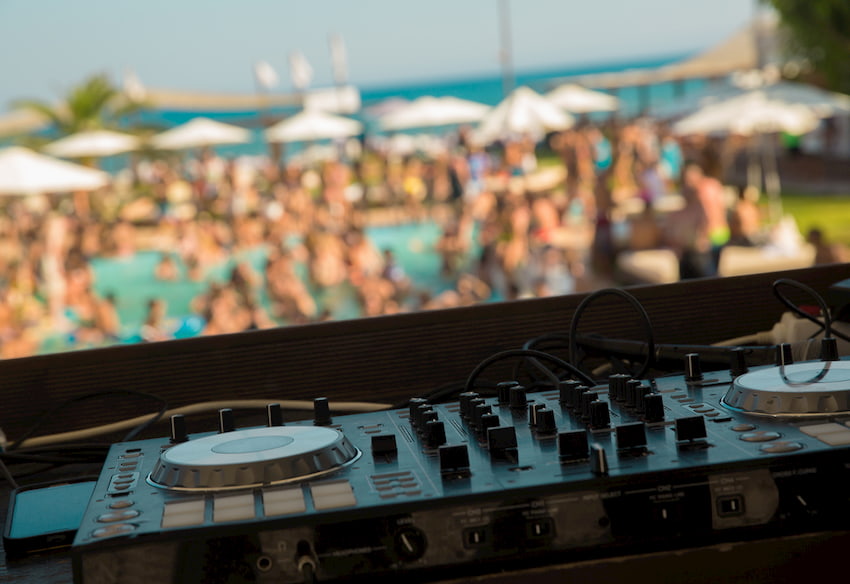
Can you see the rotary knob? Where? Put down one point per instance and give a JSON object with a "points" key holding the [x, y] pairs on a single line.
{"points": [[693, 368]]}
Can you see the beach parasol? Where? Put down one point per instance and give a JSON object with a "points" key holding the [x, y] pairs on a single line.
{"points": [[198, 133], [580, 100], [752, 113], [429, 111], [94, 143], [311, 125], [24, 172], [524, 111]]}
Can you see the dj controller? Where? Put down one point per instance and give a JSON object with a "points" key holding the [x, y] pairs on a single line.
{"points": [[480, 483]]}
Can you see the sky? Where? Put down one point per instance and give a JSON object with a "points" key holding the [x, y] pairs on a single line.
{"points": [[47, 46]]}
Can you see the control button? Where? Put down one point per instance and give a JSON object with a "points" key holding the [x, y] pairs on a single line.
{"points": [[587, 398], [573, 445], [225, 420], [503, 390], [321, 412], [598, 460], [760, 436], [653, 407], [690, 428], [565, 391], [183, 513], [599, 415], [478, 412], [435, 434], [284, 501], [474, 537], [631, 436], [546, 422], [410, 543], [121, 504], [835, 438], [115, 516], [332, 495], [730, 505], [783, 355], [463, 399], [632, 386], [488, 421], [829, 349], [501, 441], [178, 429], [113, 530], [781, 447], [384, 445], [818, 429], [640, 398], [518, 398], [233, 507], [415, 402], [454, 459], [274, 415], [743, 427], [617, 387], [533, 409], [693, 368]]}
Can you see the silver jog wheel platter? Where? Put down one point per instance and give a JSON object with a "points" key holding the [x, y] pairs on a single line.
{"points": [[801, 390], [251, 458]]}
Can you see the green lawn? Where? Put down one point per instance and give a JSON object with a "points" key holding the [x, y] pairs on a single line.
{"points": [[831, 213]]}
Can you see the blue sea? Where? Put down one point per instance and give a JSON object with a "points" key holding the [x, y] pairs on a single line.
{"points": [[486, 88]]}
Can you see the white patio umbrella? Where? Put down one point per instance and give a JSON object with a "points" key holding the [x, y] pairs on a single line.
{"points": [[428, 111], [198, 133], [311, 125], [580, 100], [524, 111], [24, 172], [95, 143], [751, 113]]}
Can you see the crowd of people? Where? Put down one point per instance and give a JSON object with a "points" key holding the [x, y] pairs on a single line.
{"points": [[510, 227]]}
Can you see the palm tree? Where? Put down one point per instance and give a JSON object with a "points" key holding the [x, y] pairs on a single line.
{"points": [[94, 104]]}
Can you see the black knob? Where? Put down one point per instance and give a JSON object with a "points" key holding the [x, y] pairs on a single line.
{"points": [[617, 387], [693, 369], [546, 422], [435, 434], [425, 417], [463, 400], [598, 460], [587, 398], [565, 389], [321, 412], [829, 349], [690, 428], [599, 415], [653, 407], [632, 386], [479, 412], [419, 413], [783, 355], [488, 421], [642, 392], [573, 445], [454, 458], [384, 445], [533, 409], [503, 389], [738, 361], [518, 398], [473, 403], [225, 420], [501, 440], [178, 429], [631, 436], [274, 415]]}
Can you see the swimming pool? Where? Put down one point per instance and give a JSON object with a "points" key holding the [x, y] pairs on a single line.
{"points": [[133, 283]]}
